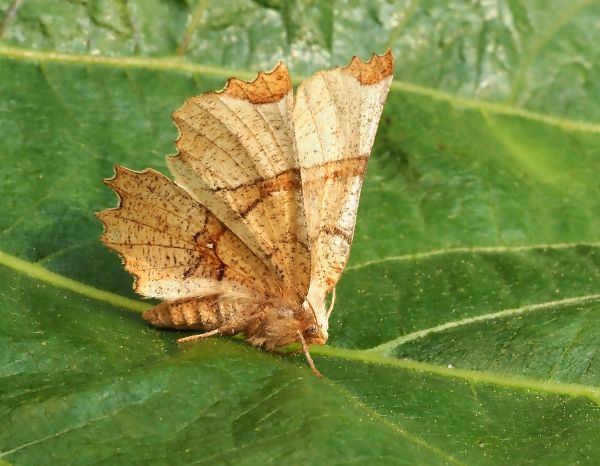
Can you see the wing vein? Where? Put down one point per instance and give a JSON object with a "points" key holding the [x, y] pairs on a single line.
{"points": [[201, 133], [187, 240], [284, 265]]}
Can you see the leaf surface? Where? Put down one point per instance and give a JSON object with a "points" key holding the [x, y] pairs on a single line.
{"points": [[466, 328]]}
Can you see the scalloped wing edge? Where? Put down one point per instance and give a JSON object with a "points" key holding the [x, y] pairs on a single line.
{"points": [[100, 214], [371, 71], [210, 288]]}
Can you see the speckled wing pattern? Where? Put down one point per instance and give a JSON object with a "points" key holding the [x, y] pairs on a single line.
{"points": [[174, 246], [336, 114], [261, 212], [236, 157]]}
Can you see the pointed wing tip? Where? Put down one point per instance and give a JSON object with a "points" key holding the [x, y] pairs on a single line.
{"points": [[387, 57], [372, 71], [109, 181], [137, 278], [277, 80], [118, 170], [112, 183], [101, 214], [104, 217], [115, 182], [266, 87]]}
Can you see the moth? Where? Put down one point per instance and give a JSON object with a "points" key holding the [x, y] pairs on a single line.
{"points": [[254, 231]]}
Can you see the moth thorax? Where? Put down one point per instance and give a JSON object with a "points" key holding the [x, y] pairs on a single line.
{"points": [[289, 312]]}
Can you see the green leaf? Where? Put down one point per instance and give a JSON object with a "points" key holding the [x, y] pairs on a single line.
{"points": [[468, 320]]}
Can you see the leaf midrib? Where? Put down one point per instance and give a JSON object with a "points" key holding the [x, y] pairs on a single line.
{"points": [[179, 64], [367, 356]]}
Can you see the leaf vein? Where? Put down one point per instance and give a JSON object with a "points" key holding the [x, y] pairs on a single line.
{"points": [[176, 64], [469, 250], [387, 347]]}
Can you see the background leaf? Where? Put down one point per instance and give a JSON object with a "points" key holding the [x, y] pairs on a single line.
{"points": [[466, 330]]}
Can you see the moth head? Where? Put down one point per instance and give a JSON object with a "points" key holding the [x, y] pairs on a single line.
{"points": [[313, 335], [315, 329], [303, 319]]}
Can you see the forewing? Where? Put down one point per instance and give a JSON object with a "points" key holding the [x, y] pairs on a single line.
{"points": [[174, 246], [236, 157], [336, 114]]}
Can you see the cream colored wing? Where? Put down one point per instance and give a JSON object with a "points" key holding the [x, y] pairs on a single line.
{"points": [[336, 114], [175, 247], [236, 157]]}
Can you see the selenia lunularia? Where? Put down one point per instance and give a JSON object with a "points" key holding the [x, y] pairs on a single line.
{"points": [[256, 228]]}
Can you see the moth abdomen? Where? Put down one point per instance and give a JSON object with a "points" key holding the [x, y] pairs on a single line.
{"points": [[192, 313]]}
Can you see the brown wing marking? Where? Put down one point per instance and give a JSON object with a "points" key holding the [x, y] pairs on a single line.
{"points": [[335, 120], [373, 71], [236, 157], [266, 88], [174, 246]]}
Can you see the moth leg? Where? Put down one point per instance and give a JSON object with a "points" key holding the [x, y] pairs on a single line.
{"points": [[311, 363], [218, 331], [202, 336], [330, 310]]}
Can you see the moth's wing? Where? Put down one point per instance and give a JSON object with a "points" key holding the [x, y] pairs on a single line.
{"points": [[336, 114], [236, 157], [174, 246]]}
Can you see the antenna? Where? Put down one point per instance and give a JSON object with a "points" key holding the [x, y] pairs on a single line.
{"points": [[331, 303], [312, 309], [311, 363]]}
